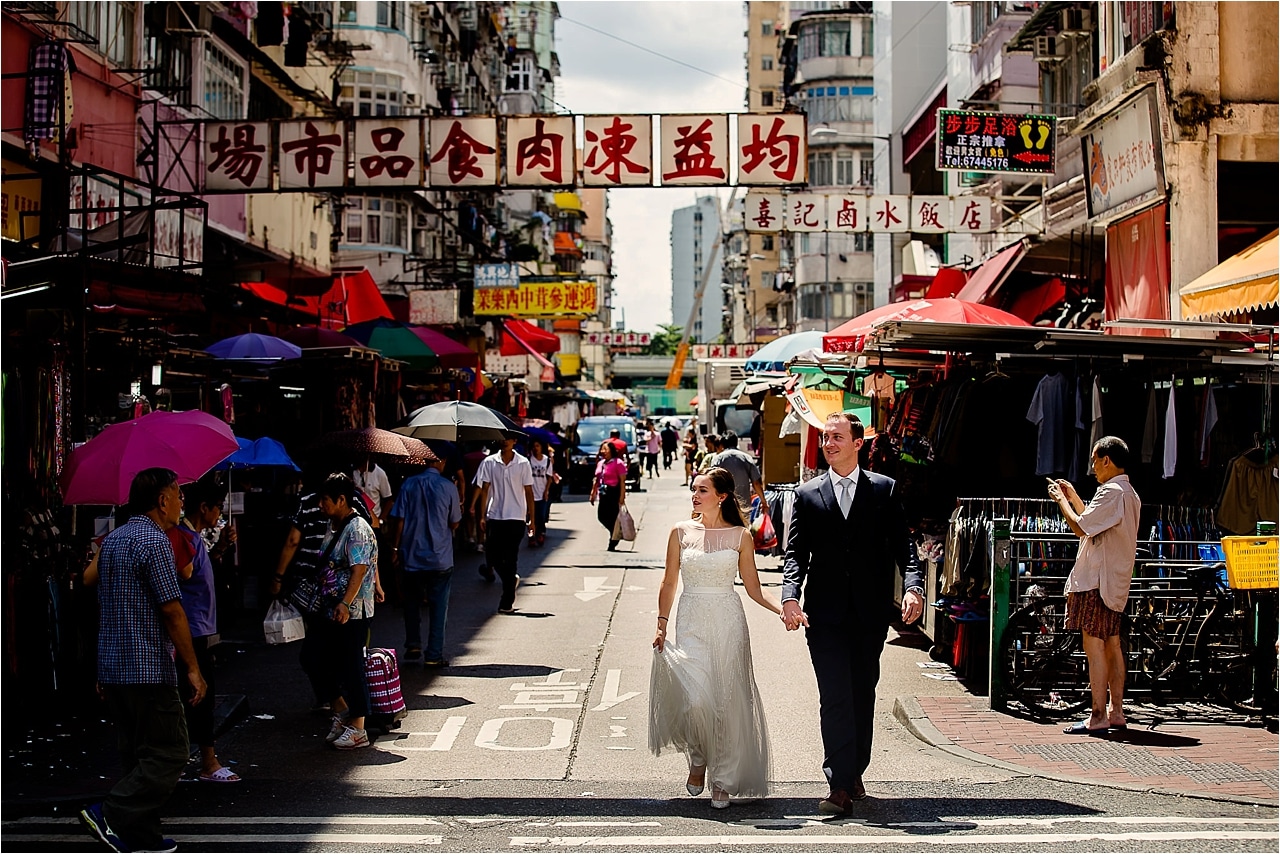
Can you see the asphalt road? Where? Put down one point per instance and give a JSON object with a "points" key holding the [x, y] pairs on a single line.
{"points": [[534, 738]]}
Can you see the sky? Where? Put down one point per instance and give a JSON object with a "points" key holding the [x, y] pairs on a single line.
{"points": [[599, 74]]}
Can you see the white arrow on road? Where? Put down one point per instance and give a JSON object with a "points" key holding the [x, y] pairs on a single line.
{"points": [[593, 588], [611, 697]]}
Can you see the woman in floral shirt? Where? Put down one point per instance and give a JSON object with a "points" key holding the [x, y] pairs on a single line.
{"points": [[350, 546]]}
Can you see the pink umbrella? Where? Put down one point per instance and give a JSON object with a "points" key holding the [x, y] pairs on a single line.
{"points": [[450, 353], [101, 470], [850, 336]]}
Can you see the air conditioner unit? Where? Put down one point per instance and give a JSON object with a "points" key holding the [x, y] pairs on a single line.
{"points": [[1076, 22], [1050, 49]]}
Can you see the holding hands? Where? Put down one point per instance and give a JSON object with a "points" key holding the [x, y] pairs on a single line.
{"points": [[792, 617]]}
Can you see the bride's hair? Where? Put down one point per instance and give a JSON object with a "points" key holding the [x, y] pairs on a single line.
{"points": [[722, 483]]}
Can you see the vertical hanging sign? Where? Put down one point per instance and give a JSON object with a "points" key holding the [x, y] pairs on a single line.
{"points": [[617, 151], [313, 154], [540, 151], [464, 152], [694, 150], [388, 152]]}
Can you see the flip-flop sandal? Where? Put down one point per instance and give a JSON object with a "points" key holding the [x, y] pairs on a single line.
{"points": [[1082, 728], [222, 775]]}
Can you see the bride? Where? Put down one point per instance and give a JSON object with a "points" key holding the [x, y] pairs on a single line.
{"points": [[703, 699]]}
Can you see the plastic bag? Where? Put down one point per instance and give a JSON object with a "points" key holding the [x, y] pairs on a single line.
{"points": [[625, 527], [763, 533], [283, 624]]}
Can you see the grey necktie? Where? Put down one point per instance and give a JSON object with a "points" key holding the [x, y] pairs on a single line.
{"points": [[846, 496]]}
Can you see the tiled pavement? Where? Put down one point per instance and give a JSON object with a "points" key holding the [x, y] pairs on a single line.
{"points": [[1201, 758]]}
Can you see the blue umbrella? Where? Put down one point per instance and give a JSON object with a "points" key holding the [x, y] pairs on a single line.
{"points": [[261, 453], [255, 347], [775, 355], [545, 435]]}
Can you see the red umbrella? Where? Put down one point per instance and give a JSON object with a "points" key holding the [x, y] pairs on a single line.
{"points": [[310, 337], [101, 470], [850, 336]]}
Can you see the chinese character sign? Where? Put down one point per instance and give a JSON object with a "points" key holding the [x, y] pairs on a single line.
{"points": [[538, 299], [772, 149], [974, 141], [617, 151], [464, 152], [237, 156], [694, 149], [930, 214], [806, 212], [971, 215], [313, 153], [388, 152], [847, 213], [497, 275], [889, 213], [765, 211], [540, 151]]}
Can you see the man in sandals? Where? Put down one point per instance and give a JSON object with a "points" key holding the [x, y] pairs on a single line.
{"points": [[1098, 586]]}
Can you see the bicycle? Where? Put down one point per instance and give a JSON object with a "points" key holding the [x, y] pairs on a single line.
{"points": [[1177, 649]]}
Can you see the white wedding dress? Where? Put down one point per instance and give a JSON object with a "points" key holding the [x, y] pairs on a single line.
{"points": [[703, 699]]}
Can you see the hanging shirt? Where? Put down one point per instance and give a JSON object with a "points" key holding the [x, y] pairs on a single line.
{"points": [[1208, 420], [1095, 429], [1048, 412], [1150, 428], [1171, 434]]}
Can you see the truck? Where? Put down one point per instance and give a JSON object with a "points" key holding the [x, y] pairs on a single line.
{"points": [[717, 410]]}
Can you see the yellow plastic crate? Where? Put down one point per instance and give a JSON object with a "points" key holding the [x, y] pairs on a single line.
{"points": [[1251, 562]]}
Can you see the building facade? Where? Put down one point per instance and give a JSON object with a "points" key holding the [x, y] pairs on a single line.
{"points": [[696, 251]]}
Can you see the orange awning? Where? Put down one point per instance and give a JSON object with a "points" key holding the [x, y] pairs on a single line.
{"points": [[1247, 281]]}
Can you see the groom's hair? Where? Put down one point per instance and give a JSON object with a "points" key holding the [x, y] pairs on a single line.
{"points": [[855, 423]]}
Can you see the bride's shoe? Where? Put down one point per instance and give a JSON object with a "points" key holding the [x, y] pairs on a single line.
{"points": [[695, 789], [719, 799]]}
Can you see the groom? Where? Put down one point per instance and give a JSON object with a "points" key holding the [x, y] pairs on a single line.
{"points": [[848, 530]]}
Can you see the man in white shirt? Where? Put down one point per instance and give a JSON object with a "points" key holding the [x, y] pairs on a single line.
{"points": [[370, 479], [506, 495], [1098, 586]]}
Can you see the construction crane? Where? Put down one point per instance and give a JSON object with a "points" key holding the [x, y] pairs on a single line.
{"points": [[682, 352]]}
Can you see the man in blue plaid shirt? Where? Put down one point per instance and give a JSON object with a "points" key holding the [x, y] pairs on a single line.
{"points": [[141, 626]]}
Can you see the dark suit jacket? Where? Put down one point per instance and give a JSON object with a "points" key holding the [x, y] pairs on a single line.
{"points": [[848, 563]]}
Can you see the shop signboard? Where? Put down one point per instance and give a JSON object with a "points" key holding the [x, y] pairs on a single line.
{"points": [[723, 351], [20, 202], [848, 212], [433, 306], [538, 299], [1122, 159], [618, 339], [974, 141], [497, 275]]}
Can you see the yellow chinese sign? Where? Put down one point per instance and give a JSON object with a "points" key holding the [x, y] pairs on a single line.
{"points": [[538, 299], [20, 200]]}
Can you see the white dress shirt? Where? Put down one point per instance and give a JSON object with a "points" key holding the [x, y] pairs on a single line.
{"points": [[506, 486], [852, 477]]}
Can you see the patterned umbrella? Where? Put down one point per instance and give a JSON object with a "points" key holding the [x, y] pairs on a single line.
{"points": [[369, 440], [419, 453]]}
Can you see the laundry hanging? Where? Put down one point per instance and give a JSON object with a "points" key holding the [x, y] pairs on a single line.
{"points": [[1171, 433], [1047, 412], [47, 67], [1208, 419], [1150, 428], [1096, 431]]}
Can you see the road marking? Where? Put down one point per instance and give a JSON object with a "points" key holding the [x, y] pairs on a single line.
{"points": [[945, 823], [712, 841], [616, 731], [491, 730], [294, 840], [443, 739], [611, 697], [313, 820], [593, 587], [554, 693]]}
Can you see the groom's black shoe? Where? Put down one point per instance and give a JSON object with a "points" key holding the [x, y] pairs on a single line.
{"points": [[859, 791], [838, 803]]}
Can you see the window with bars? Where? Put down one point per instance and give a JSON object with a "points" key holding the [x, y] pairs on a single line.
{"points": [[866, 171], [111, 25], [868, 38], [371, 93], [844, 168], [766, 62], [391, 15], [224, 84], [820, 168], [766, 28], [826, 38], [377, 221]]}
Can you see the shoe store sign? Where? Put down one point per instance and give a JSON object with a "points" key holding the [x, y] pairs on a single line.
{"points": [[504, 152], [807, 212], [972, 141]]}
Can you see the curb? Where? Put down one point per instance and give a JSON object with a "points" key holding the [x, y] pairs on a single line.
{"points": [[911, 715]]}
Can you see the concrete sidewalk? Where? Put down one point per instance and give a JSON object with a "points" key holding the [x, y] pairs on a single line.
{"points": [[1217, 760]]}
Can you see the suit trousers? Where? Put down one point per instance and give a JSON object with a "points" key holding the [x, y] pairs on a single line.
{"points": [[151, 728], [502, 550], [846, 662]]}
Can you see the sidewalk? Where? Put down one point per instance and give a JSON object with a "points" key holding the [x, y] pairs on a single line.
{"points": [[1216, 760]]}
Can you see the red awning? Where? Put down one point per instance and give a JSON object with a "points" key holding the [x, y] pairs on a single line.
{"points": [[526, 349], [353, 298], [990, 275], [1137, 282], [1038, 299], [521, 336], [948, 282]]}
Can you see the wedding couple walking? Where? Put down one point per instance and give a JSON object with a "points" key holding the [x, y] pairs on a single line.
{"points": [[848, 532]]}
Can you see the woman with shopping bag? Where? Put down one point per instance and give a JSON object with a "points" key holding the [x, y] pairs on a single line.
{"points": [[610, 487]]}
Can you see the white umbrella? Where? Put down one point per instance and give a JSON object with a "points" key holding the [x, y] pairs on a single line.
{"points": [[458, 421]]}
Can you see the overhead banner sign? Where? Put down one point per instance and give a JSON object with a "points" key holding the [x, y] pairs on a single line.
{"points": [[815, 212], [497, 275], [618, 339], [723, 351], [508, 151], [538, 299], [972, 141], [1123, 168]]}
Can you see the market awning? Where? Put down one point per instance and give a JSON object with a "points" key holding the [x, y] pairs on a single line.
{"points": [[775, 355], [353, 298], [990, 275], [1247, 281], [525, 348], [521, 336], [947, 282], [1038, 299]]}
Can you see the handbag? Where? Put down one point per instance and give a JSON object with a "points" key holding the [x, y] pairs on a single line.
{"points": [[763, 533], [283, 624], [625, 527], [383, 676], [316, 593]]}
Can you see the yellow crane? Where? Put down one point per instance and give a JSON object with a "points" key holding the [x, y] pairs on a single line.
{"points": [[682, 352]]}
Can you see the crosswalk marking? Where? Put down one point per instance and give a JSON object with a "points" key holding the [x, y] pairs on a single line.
{"points": [[314, 821], [949, 822], [711, 841], [291, 839]]}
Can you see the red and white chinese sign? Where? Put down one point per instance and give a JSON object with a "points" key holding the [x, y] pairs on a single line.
{"points": [[618, 339], [389, 153], [313, 154], [237, 156], [811, 212], [694, 150], [540, 151], [617, 151], [723, 351], [771, 149], [464, 152]]}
